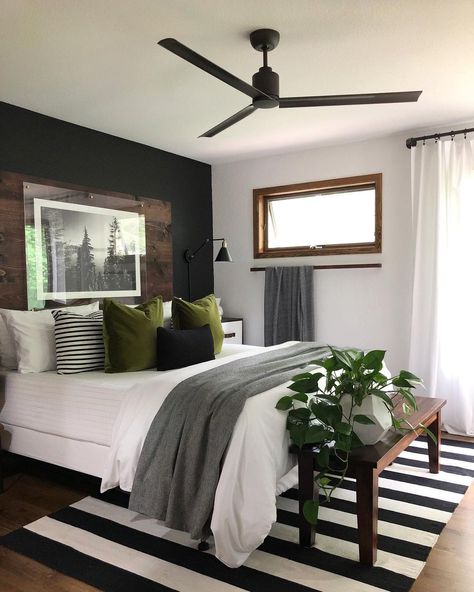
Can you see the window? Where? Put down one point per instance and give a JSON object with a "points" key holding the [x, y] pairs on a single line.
{"points": [[338, 216]]}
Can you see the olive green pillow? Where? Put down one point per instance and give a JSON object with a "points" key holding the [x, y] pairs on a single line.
{"points": [[130, 335], [191, 315]]}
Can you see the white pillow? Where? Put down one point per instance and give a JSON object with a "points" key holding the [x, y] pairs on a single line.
{"points": [[167, 314], [219, 307], [33, 334], [7, 346]]}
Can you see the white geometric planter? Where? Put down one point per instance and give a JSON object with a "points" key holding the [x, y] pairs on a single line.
{"points": [[374, 408]]}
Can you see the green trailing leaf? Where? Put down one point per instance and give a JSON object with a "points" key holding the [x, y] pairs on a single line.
{"points": [[429, 433], [330, 398], [300, 386], [374, 359], [360, 418], [323, 481], [330, 382], [343, 428], [382, 395], [329, 364], [317, 433], [323, 458], [302, 376], [303, 397], [409, 399], [356, 354], [400, 382], [411, 378], [342, 357], [327, 412], [306, 385], [379, 377], [397, 423], [300, 413], [343, 442], [284, 403], [297, 434], [311, 511], [356, 442]]}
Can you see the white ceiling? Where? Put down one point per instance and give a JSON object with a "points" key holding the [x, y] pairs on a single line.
{"points": [[96, 63]]}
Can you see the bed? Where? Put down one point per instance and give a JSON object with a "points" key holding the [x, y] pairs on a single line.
{"points": [[96, 423], [71, 424]]}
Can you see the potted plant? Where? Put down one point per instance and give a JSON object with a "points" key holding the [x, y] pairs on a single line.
{"points": [[329, 410]]}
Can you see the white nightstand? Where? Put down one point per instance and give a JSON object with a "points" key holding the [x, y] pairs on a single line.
{"points": [[233, 330]]}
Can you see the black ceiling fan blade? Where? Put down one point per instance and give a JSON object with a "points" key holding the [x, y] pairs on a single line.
{"points": [[245, 112], [360, 99], [197, 60]]}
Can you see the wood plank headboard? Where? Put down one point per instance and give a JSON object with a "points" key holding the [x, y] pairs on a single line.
{"points": [[159, 249]]}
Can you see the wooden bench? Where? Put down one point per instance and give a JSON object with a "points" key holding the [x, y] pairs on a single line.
{"points": [[365, 465]]}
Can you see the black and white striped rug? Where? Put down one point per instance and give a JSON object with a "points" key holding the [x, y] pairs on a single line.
{"points": [[99, 541]]}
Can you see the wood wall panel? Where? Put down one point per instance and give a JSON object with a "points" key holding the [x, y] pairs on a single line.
{"points": [[12, 243], [159, 248], [157, 270]]}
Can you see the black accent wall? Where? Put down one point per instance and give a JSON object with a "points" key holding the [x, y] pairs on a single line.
{"points": [[42, 146]]}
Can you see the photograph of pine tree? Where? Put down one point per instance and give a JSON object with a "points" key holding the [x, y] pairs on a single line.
{"points": [[85, 251]]}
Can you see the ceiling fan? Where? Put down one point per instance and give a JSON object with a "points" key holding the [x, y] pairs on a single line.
{"points": [[265, 87]]}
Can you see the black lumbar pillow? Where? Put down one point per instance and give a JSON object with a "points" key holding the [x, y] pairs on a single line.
{"points": [[177, 348]]}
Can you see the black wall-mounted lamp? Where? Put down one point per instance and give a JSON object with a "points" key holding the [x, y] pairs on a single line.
{"points": [[222, 255]]}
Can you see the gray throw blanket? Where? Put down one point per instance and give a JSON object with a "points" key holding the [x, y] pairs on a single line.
{"points": [[179, 466], [289, 304]]}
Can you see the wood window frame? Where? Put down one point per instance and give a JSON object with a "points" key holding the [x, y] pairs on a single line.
{"points": [[260, 212]]}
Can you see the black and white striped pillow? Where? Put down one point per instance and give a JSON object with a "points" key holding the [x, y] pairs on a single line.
{"points": [[79, 342]]}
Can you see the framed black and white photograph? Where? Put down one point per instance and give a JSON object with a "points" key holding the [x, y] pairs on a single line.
{"points": [[85, 251]]}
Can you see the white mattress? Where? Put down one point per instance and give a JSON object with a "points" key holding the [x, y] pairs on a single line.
{"points": [[79, 406]]}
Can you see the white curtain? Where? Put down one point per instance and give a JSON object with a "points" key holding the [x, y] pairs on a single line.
{"points": [[442, 326]]}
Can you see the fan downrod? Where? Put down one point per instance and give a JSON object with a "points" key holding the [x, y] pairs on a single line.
{"points": [[264, 39], [265, 79]]}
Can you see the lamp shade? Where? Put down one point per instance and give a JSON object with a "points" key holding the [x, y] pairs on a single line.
{"points": [[223, 254]]}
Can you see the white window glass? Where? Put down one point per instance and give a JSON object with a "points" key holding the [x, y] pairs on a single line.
{"points": [[331, 218]]}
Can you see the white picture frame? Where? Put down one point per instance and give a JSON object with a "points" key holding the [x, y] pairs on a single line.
{"points": [[84, 251]]}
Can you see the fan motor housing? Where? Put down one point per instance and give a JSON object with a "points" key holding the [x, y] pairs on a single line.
{"points": [[268, 82]]}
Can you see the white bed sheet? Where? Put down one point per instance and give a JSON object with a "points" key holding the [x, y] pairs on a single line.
{"points": [[80, 407], [68, 406], [77, 455]]}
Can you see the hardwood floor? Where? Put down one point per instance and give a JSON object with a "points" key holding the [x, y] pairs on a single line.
{"points": [[31, 494], [449, 566], [28, 498]]}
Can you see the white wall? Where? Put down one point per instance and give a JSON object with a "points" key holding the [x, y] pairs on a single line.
{"points": [[367, 308]]}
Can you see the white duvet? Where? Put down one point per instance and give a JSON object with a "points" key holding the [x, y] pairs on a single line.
{"points": [[257, 466]]}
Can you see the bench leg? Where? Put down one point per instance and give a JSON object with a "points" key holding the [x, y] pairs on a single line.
{"points": [[434, 448], [367, 483], [306, 492]]}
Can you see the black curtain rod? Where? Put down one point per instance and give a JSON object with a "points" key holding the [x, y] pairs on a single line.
{"points": [[412, 141]]}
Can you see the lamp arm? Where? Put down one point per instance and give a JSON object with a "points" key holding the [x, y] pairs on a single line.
{"points": [[189, 256]]}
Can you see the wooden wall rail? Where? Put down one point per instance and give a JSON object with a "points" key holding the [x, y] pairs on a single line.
{"points": [[341, 266]]}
